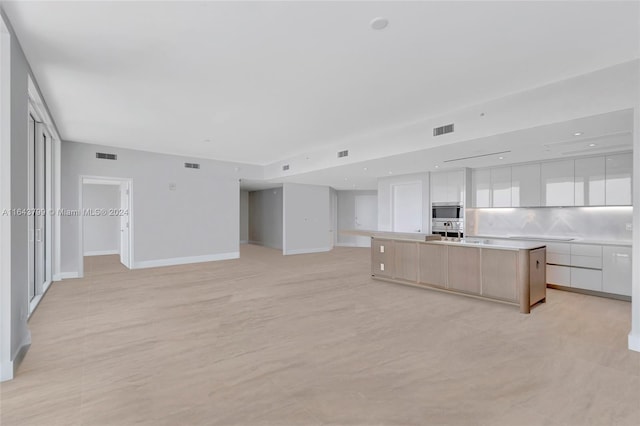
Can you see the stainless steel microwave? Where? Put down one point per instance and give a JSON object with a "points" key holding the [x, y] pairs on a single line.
{"points": [[447, 211]]}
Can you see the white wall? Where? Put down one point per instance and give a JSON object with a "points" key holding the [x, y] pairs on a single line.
{"points": [[634, 334], [385, 200], [244, 216], [307, 219], [347, 218], [101, 233], [265, 217], [196, 221]]}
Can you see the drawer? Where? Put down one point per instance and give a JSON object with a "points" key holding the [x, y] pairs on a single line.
{"points": [[586, 250], [558, 248], [616, 270], [587, 279], [586, 261], [559, 275], [558, 259]]}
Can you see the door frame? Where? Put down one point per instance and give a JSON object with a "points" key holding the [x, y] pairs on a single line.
{"points": [[88, 179]]}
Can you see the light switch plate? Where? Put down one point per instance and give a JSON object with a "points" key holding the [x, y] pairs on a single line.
{"points": [[382, 266], [381, 249]]}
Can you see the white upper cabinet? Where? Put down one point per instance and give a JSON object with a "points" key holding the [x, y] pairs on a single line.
{"points": [[525, 185], [501, 187], [481, 188], [557, 181], [447, 187], [589, 181], [618, 175]]}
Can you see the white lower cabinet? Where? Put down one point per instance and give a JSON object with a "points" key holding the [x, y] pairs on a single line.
{"points": [[586, 279], [559, 275], [616, 270]]}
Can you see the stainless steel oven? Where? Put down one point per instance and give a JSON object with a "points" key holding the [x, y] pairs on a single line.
{"points": [[447, 219]]}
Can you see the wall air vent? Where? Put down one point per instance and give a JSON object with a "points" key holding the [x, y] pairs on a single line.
{"points": [[443, 130], [105, 156], [285, 167], [192, 165], [344, 153]]}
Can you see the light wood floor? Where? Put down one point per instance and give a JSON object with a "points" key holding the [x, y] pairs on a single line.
{"points": [[311, 340]]}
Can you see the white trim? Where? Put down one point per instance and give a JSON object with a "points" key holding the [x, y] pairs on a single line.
{"points": [[634, 342], [6, 362], [307, 251], [68, 275], [101, 252], [244, 241], [57, 277], [186, 260]]}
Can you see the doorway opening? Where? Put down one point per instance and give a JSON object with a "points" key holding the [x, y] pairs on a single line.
{"points": [[106, 219]]}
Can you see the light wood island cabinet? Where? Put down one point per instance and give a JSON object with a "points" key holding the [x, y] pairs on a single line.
{"points": [[511, 272]]}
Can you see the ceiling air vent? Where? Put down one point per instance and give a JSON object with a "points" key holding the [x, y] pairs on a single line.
{"points": [[443, 130], [105, 156], [344, 153], [285, 167], [192, 165]]}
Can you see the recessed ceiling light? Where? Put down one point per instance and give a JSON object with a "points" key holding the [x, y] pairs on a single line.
{"points": [[379, 23], [437, 167], [346, 178], [390, 173], [577, 134], [208, 140], [365, 169], [593, 144], [500, 158]]}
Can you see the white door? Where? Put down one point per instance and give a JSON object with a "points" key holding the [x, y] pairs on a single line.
{"points": [[125, 256], [407, 207], [366, 219]]}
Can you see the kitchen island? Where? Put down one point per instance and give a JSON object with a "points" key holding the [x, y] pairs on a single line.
{"points": [[505, 271]]}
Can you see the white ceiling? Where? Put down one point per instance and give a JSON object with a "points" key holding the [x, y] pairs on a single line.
{"points": [[611, 132], [269, 80]]}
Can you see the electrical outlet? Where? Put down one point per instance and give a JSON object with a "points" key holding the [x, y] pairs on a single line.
{"points": [[381, 249], [172, 186], [629, 227], [382, 266]]}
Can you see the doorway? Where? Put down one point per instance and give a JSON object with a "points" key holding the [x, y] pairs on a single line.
{"points": [[106, 219], [407, 207], [366, 217]]}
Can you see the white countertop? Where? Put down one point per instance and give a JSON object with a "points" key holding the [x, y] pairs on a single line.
{"points": [[492, 243], [542, 239]]}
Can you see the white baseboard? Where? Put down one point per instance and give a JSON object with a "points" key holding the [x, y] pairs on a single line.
{"points": [[8, 368], [185, 260], [57, 277], [634, 342], [101, 252], [68, 275], [244, 241], [306, 251]]}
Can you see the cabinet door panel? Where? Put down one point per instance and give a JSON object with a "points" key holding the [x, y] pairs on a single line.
{"points": [[439, 187], [464, 269], [481, 188], [455, 186], [559, 275], [557, 180], [616, 270], [619, 170], [525, 185], [499, 274], [587, 279], [501, 186], [406, 267], [433, 264], [589, 181]]}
